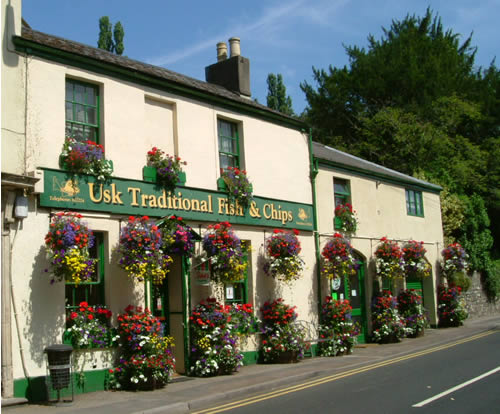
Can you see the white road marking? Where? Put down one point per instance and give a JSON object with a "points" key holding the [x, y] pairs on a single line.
{"points": [[464, 384]]}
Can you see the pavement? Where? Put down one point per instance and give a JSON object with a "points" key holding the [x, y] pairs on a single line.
{"points": [[187, 394]]}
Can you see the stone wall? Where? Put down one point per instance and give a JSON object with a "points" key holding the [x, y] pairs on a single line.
{"points": [[477, 302]]}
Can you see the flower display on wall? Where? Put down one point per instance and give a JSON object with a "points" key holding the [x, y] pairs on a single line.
{"points": [[346, 217], [414, 258], [85, 157], [68, 242], [238, 186], [225, 253], [388, 325], [177, 237], [168, 168], [389, 259], [338, 259], [451, 306], [412, 311], [337, 330], [88, 327], [282, 341], [454, 260], [140, 248], [214, 334], [283, 250], [146, 360]]}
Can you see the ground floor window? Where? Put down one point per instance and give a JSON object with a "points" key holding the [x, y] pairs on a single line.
{"points": [[90, 292]]}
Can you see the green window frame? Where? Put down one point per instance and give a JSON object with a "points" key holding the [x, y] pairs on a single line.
{"points": [[229, 144], [414, 203], [90, 292], [342, 195], [239, 289], [82, 108]]}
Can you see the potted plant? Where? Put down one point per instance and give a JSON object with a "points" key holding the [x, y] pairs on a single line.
{"points": [[414, 259], [454, 261], [235, 182], [164, 169], [85, 157], [140, 248], [345, 219], [67, 243], [413, 313], [282, 340], [177, 236], [338, 260], [337, 331], [388, 326], [146, 360], [283, 250], [214, 335], [225, 254], [451, 306], [88, 327], [389, 259]]}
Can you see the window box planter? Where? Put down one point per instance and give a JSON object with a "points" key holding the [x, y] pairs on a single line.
{"points": [[149, 174], [221, 184], [337, 223]]}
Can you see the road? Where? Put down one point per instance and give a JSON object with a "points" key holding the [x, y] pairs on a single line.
{"points": [[464, 378]]}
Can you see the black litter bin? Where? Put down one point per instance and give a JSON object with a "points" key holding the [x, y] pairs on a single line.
{"points": [[59, 357]]}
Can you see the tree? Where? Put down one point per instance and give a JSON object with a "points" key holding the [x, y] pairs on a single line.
{"points": [[414, 101], [106, 35], [276, 95]]}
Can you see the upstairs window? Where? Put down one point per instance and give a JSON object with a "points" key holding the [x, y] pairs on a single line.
{"points": [[414, 203], [229, 145], [82, 111], [342, 195]]}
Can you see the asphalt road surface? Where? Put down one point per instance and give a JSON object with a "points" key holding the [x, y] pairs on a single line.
{"points": [[464, 378]]}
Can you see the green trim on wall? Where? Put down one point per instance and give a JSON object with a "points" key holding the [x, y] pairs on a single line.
{"points": [[379, 176], [35, 389], [64, 190], [117, 71]]}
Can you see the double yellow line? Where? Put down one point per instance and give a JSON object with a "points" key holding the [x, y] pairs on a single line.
{"points": [[330, 378]]}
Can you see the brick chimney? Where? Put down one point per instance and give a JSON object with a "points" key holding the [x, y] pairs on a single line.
{"points": [[232, 73]]}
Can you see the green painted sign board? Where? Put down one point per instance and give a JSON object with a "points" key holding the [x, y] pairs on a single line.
{"points": [[63, 190]]}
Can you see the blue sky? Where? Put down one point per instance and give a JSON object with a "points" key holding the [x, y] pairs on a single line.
{"points": [[287, 37]]}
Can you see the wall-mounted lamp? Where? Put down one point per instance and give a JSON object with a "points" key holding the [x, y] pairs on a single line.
{"points": [[21, 207]]}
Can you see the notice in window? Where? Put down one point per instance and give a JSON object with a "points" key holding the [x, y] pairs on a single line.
{"points": [[230, 292], [354, 293]]}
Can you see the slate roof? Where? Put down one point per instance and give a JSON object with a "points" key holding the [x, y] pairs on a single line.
{"points": [[132, 65], [348, 161]]}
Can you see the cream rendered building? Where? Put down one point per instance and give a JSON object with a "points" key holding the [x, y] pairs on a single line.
{"points": [[129, 107], [387, 204]]}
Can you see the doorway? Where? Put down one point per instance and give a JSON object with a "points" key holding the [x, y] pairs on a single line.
{"points": [[353, 288]]}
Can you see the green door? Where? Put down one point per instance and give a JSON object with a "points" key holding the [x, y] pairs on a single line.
{"points": [[353, 288], [416, 284]]}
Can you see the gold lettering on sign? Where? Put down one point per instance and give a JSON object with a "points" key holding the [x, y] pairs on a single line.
{"points": [[254, 211], [92, 195], [135, 192]]}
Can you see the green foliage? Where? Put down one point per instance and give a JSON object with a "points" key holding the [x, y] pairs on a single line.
{"points": [[106, 35], [413, 101], [492, 280], [276, 95]]}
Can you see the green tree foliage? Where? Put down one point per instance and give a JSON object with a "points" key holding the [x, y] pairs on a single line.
{"points": [[414, 101], [276, 95], [109, 39]]}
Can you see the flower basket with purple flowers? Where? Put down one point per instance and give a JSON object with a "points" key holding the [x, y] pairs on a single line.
{"points": [[178, 238], [214, 340], [237, 185], [67, 243], [225, 253], [283, 250], [169, 171], [389, 259], [338, 258], [414, 258], [85, 157], [141, 250], [412, 311], [454, 260]]}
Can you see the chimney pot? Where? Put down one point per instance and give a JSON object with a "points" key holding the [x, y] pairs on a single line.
{"points": [[234, 44], [221, 51]]}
